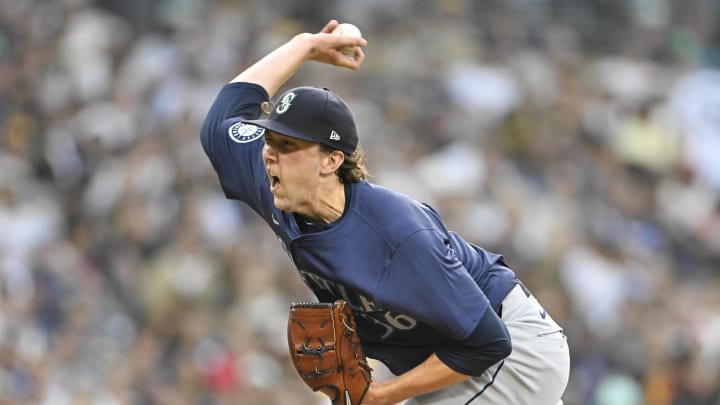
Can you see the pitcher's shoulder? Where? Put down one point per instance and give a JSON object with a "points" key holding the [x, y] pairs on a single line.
{"points": [[394, 213]]}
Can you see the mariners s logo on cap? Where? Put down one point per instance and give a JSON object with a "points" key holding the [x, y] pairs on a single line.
{"points": [[312, 114], [244, 133], [284, 103]]}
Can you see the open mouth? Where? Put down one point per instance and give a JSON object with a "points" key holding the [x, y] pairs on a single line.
{"points": [[274, 180]]}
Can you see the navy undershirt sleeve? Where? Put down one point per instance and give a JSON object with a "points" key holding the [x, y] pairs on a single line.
{"points": [[487, 344]]}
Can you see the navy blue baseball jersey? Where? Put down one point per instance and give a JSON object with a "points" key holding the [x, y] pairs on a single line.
{"points": [[415, 287]]}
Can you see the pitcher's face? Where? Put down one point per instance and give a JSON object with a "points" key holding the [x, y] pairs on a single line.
{"points": [[293, 169]]}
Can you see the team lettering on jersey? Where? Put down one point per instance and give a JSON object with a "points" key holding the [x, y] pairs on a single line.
{"points": [[362, 306], [386, 322]]}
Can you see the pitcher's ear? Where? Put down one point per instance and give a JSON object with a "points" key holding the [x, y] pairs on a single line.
{"points": [[333, 161]]}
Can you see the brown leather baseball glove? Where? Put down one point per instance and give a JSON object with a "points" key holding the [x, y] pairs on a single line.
{"points": [[326, 351]]}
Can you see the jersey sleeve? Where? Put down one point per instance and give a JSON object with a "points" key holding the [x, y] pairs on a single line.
{"points": [[425, 279], [234, 148], [489, 343]]}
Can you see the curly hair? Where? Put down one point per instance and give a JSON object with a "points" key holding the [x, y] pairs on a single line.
{"points": [[353, 169]]}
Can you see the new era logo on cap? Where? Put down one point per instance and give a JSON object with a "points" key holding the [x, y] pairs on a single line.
{"points": [[311, 113]]}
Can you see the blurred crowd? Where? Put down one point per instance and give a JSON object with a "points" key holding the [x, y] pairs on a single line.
{"points": [[581, 139]]}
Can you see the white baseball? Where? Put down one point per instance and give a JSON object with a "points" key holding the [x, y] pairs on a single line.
{"points": [[351, 30]]}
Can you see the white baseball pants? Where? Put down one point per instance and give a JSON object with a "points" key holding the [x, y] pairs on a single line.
{"points": [[535, 373]]}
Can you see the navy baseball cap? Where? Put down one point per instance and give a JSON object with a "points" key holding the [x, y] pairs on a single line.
{"points": [[312, 114]]}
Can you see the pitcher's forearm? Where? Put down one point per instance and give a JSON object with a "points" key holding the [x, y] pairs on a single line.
{"points": [[278, 66], [275, 68], [430, 375]]}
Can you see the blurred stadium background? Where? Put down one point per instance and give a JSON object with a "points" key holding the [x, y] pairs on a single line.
{"points": [[581, 139]]}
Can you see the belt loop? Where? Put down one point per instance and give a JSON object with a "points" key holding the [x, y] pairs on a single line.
{"points": [[525, 289]]}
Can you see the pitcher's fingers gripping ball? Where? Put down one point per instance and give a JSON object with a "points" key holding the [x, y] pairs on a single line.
{"points": [[350, 30], [325, 350]]}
